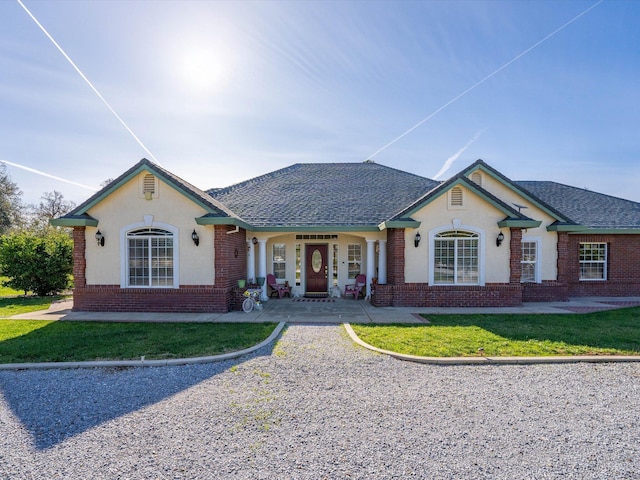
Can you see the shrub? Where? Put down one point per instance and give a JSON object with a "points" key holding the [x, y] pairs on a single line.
{"points": [[38, 263]]}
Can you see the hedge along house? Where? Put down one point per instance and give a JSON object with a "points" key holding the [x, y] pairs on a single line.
{"points": [[149, 241]]}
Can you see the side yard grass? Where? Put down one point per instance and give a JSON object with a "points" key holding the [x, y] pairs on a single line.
{"points": [[613, 332], [51, 341]]}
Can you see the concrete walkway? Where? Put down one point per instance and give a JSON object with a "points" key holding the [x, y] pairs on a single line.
{"points": [[330, 310]]}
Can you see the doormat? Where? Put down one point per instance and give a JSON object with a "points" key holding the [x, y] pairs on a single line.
{"points": [[314, 299]]}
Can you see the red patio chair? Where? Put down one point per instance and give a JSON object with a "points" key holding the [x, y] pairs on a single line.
{"points": [[355, 288], [276, 287]]}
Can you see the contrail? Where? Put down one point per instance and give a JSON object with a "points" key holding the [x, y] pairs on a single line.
{"points": [[88, 82], [492, 74], [48, 175], [454, 157]]}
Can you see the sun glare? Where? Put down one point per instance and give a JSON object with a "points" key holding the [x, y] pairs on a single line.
{"points": [[205, 69]]}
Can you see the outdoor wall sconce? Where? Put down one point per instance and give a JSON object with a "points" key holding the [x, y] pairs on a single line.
{"points": [[254, 240], [499, 239], [416, 240], [195, 237], [100, 238]]}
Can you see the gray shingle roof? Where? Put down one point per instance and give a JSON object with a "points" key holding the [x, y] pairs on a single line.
{"points": [[584, 207], [324, 194]]}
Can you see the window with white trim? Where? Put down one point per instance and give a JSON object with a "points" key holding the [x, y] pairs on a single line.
{"points": [[150, 258], [593, 261], [456, 260], [298, 263], [354, 259], [335, 264], [279, 260], [529, 262]]}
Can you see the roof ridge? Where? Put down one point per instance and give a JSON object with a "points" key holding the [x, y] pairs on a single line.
{"points": [[224, 190]]}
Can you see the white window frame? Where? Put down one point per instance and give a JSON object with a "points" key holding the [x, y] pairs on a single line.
{"points": [[279, 261], [537, 274], [124, 253], [591, 261], [481, 253], [354, 259]]}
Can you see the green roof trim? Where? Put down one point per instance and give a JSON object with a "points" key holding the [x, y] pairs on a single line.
{"points": [[482, 166], [461, 180], [74, 221], [210, 219], [607, 231], [197, 196], [566, 227], [322, 228], [519, 223], [400, 223]]}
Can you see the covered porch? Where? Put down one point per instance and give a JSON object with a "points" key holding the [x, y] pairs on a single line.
{"points": [[317, 265]]}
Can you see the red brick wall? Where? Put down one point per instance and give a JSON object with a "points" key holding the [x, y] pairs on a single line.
{"points": [[515, 258], [422, 295], [230, 256], [395, 256], [187, 298], [547, 291], [79, 259], [623, 266]]}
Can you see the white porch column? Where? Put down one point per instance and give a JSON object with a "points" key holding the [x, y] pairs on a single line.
{"points": [[371, 264], [382, 261], [251, 261], [262, 265]]}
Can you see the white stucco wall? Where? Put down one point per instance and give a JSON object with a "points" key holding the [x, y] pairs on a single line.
{"points": [[126, 206], [476, 213], [548, 241]]}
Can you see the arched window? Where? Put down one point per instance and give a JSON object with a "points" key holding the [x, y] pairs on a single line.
{"points": [[456, 258], [150, 258]]}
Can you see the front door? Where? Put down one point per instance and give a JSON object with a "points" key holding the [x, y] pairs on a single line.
{"points": [[316, 269]]}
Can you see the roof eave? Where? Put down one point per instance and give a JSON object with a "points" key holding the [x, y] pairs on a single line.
{"points": [[481, 165], [566, 227], [400, 223], [74, 221], [218, 220], [519, 223], [608, 231]]}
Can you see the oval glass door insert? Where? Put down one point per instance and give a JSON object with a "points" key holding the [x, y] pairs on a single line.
{"points": [[316, 261]]}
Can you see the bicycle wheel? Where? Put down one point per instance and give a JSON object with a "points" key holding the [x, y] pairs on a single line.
{"points": [[247, 305]]}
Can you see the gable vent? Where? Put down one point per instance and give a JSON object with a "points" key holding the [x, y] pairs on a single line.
{"points": [[476, 177], [456, 197], [149, 184]]}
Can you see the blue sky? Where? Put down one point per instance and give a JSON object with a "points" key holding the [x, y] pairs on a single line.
{"points": [[220, 92]]}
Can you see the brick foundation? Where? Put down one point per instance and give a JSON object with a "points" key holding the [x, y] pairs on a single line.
{"points": [[422, 295], [188, 298], [545, 292]]}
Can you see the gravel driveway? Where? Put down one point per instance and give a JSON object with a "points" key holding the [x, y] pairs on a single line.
{"points": [[316, 406]]}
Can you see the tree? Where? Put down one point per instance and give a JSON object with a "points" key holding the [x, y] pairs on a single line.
{"points": [[52, 205], [36, 262], [10, 201]]}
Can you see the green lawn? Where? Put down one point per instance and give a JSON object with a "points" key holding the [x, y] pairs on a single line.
{"points": [[6, 291], [15, 305], [614, 332], [50, 341]]}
